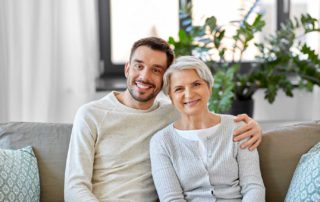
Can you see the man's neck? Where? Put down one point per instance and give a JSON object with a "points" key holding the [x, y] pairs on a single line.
{"points": [[125, 98]]}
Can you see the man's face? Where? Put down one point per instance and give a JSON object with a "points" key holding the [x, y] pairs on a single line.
{"points": [[144, 73]]}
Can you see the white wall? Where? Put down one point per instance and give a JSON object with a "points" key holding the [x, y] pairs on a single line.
{"points": [[303, 106]]}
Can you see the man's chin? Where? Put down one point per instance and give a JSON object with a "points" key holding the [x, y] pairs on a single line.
{"points": [[142, 97]]}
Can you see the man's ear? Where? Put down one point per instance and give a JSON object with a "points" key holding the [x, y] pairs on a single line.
{"points": [[126, 69]]}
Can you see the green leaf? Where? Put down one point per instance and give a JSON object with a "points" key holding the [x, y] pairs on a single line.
{"points": [[211, 22]]}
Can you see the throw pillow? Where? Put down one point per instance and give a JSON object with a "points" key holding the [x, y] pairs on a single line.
{"points": [[19, 175], [305, 184]]}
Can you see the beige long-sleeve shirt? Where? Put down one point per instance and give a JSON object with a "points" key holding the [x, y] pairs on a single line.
{"points": [[108, 158]]}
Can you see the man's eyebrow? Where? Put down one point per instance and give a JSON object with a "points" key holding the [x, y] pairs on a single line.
{"points": [[138, 61], [159, 66], [155, 65]]}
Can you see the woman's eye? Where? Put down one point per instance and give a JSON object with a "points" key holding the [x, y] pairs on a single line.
{"points": [[177, 89]]}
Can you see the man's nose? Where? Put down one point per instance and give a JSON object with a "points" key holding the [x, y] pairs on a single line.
{"points": [[145, 74]]}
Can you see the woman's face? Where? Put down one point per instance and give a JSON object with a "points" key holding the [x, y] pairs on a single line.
{"points": [[188, 92]]}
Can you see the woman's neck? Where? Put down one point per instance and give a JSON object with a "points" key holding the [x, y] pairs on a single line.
{"points": [[199, 121]]}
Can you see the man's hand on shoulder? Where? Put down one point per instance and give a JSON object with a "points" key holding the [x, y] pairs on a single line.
{"points": [[251, 129]]}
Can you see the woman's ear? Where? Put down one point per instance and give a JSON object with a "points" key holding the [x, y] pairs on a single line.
{"points": [[170, 99], [210, 88], [169, 95]]}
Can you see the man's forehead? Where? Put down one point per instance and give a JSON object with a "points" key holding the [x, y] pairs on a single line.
{"points": [[147, 49], [146, 54]]}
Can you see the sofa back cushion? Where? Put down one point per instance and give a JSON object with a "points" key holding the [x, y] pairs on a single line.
{"points": [[280, 152], [50, 144], [305, 183]]}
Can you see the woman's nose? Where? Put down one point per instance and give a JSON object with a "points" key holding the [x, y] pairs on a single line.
{"points": [[188, 92]]}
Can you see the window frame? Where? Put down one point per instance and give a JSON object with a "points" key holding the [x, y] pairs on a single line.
{"points": [[111, 71], [109, 68]]}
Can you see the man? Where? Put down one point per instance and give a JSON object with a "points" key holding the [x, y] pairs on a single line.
{"points": [[108, 158]]}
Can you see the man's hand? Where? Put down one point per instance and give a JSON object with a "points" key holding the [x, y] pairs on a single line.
{"points": [[251, 129]]}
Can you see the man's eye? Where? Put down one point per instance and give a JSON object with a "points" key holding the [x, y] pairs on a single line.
{"points": [[138, 66], [156, 70], [197, 84]]}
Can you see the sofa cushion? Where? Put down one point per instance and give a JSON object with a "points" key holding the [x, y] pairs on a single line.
{"points": [[305, 184], [19, 175], [50, 142], [280, 151]]}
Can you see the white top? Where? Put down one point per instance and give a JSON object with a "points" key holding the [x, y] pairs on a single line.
{"points": [[200, 136], [108, 157]]}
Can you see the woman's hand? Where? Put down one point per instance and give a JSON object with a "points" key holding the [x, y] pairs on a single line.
{"points": [[251, 129]]}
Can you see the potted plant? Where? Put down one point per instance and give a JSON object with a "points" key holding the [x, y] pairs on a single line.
{"points": [[283, 60]]}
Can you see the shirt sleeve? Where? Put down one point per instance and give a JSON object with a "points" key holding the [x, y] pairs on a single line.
{"points": [[163, 173], [252, 187], [79, 164]]}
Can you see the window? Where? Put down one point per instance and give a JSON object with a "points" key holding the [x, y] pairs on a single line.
{"points": [[124, 21], [233, 10], [298, 7], [121, 26]]}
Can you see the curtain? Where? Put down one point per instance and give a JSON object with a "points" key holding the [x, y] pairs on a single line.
{"points": [[49, 58]]}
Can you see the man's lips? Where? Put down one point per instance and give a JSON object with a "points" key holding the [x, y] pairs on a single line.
{"points": [[144, 85]]}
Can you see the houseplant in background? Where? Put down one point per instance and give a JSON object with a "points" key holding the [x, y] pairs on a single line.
{"points": [[284, 61]]}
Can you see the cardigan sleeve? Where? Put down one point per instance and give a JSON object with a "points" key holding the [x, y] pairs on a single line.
{"points": [[252, 187], [163, 173]]}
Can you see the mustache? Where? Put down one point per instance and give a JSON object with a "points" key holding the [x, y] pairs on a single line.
{"points": [[145, 82]]}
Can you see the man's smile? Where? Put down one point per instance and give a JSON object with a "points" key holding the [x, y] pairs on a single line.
{"points": [[143, 85]]}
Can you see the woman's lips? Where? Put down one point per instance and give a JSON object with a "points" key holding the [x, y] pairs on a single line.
{"points": [[192, 102]]}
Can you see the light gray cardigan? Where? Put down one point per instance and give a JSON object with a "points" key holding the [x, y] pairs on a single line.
{"points": [[179, 174]]}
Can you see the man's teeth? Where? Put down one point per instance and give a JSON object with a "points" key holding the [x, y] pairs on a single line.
{"points": [[141, 85]]}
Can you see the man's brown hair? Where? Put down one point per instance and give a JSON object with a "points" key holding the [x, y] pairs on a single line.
{"points": [[155, 43]]}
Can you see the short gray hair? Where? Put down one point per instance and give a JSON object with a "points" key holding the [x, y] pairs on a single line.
{"points": [[187, 62]]}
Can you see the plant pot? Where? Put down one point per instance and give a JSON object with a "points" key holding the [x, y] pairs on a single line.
{"points": [[242, 107]]}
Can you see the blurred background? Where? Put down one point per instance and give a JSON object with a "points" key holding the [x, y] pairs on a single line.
{"points": [[56, 55]]}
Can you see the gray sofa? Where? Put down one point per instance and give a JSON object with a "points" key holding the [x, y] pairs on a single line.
{"points": [[279, 153]]}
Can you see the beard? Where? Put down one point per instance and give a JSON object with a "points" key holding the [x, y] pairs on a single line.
{"points": [[139, 96]]}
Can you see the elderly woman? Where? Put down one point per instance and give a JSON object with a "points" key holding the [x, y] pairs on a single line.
{"points": [[195, 158]]}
